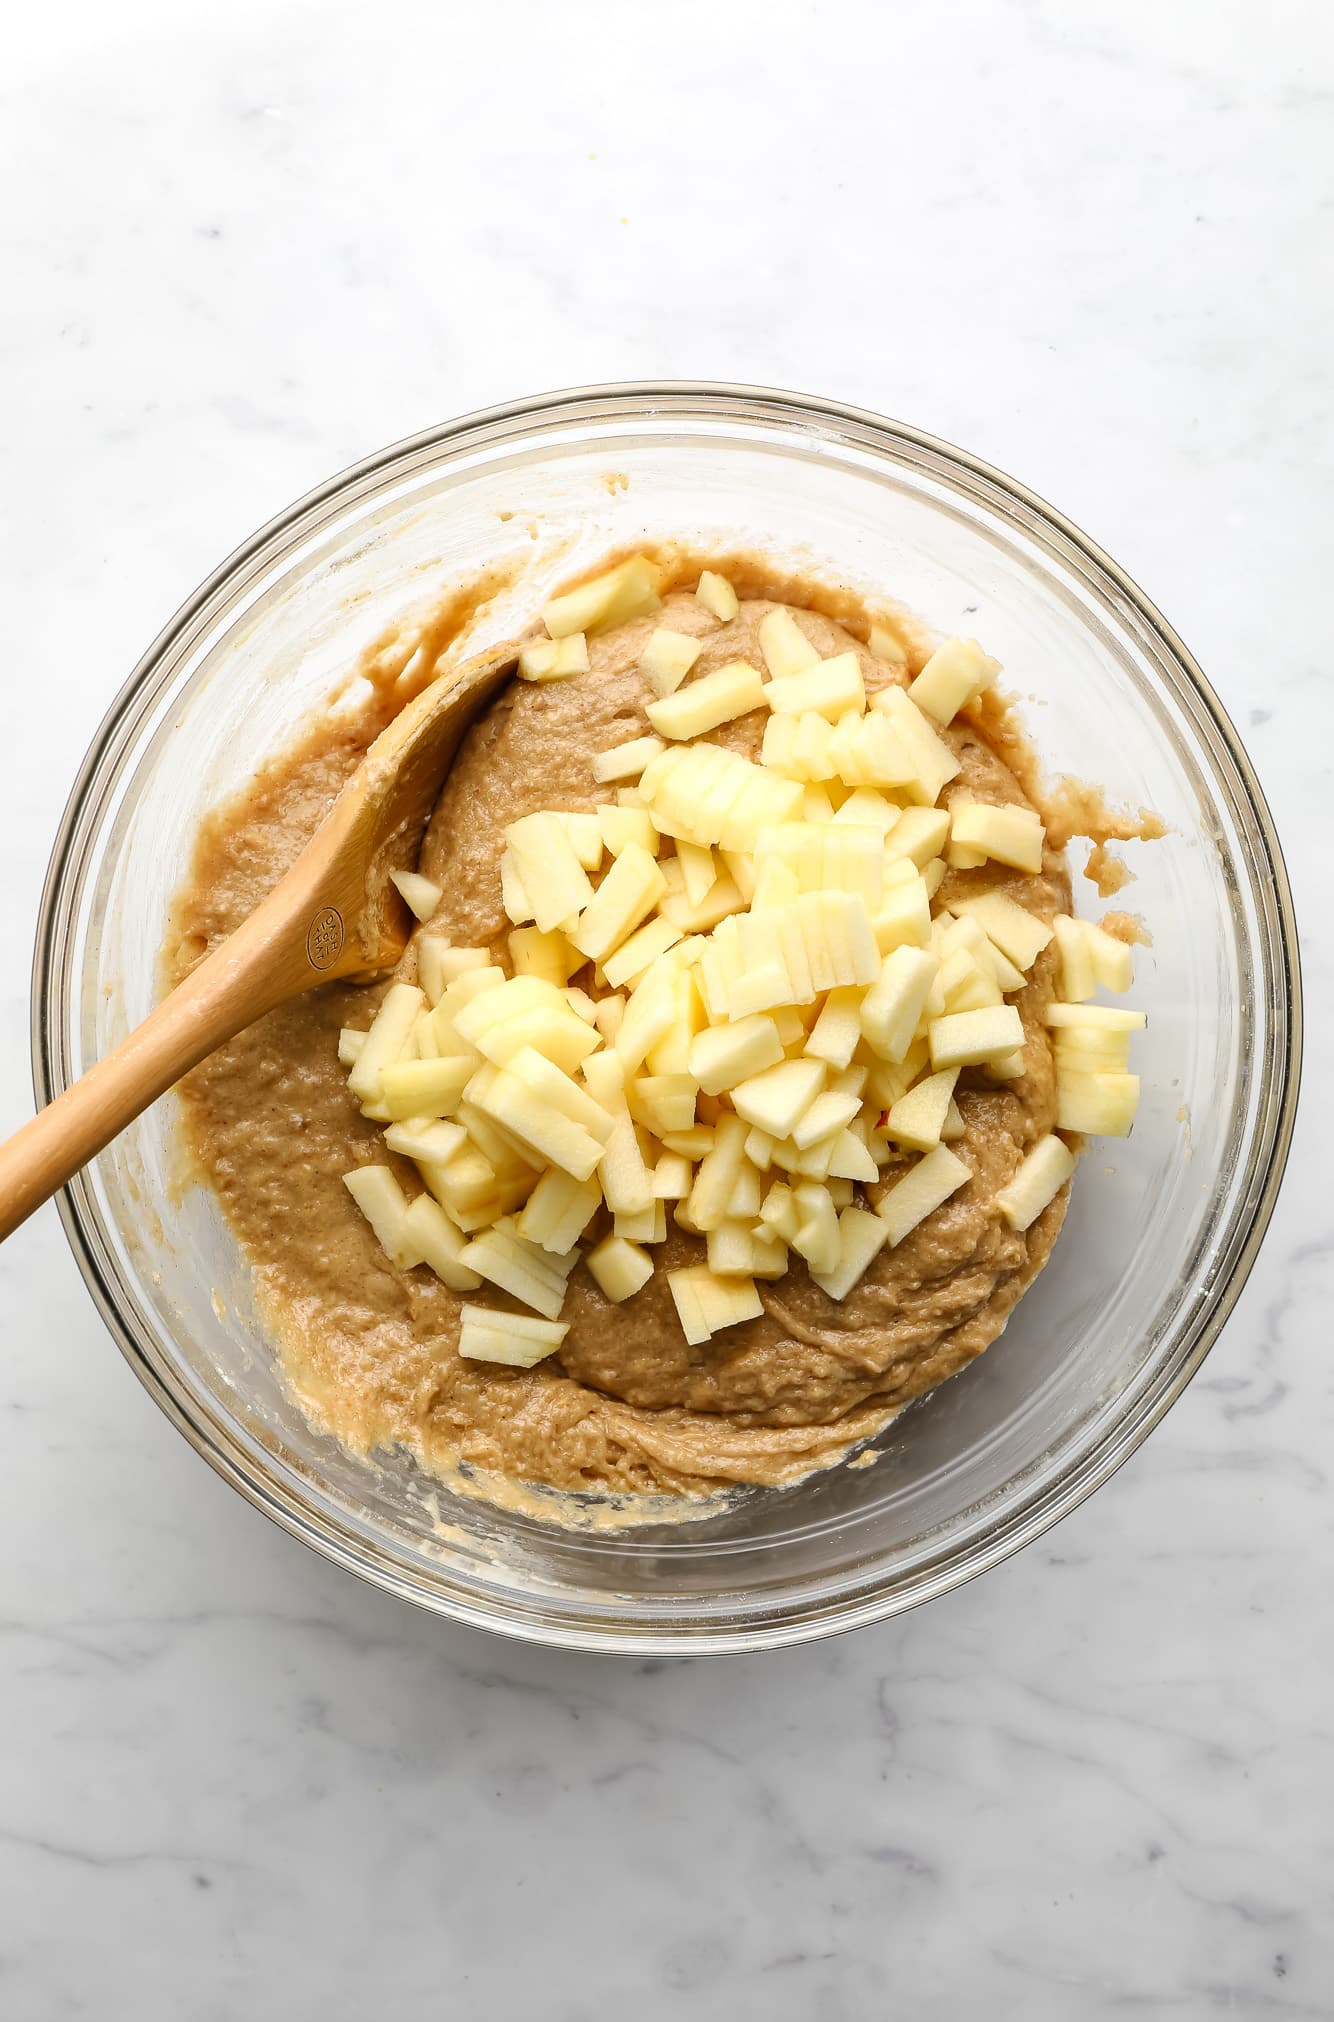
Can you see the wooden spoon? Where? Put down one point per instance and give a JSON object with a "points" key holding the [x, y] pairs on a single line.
{"points": [[335, 913]]}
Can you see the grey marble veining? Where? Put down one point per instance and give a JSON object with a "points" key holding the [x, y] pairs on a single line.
{"points": [[245, 245]]}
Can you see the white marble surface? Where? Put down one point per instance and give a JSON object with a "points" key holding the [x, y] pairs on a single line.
{"points": [[244, 244]]}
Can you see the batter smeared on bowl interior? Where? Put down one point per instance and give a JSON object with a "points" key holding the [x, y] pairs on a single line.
{"points": [[828, 1279]]}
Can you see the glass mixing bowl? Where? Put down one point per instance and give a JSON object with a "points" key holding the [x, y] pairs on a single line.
{"points": [[1162, 1227]]}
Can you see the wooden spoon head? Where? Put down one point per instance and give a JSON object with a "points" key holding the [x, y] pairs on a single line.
{"points": [[359, 923]]}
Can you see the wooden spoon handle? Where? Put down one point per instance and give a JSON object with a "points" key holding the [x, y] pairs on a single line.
{"points": [[266, 961]]}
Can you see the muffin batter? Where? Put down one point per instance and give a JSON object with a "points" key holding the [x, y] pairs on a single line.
{"points": [[626, 1406]]}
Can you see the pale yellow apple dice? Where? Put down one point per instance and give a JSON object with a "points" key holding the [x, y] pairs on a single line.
{"points": [[673, 1177], [1011, 835], [585, 833], [1077, 980], [956, 673], [885, 643], [1092, 1018], [719, 1170], [817, 806], [525, 1011], [381, 1199], [706, 1304], [419, 894], [841, 1192], [625, 761], [830, 689], [699, 870], [520, 1268], [555, 1137], [554, 659], [511, 1338], [1019, 934], [671, 1053], [723, 1055], [650, 1011], [817, 1234], [840, 943], [554, 880], [763, 983], [965, 932], [776, 886], [903, 917], [920, 1192], [959, 855], [691, 1144], [828, 1114], [663, 1103], [731, 1250], [779, 749], [785, 647], [721, 899], [760, 1149], [628, 893], [513, 892], [630, 590], [967, 1038], [630, 796], [667, 659], [779, 1218], [739, 865], [709, 701], [426, 1088], [717, 596], [1100, 1105], [1085, 1052], [627, 1179], [838, 1029], [554, 1088], [861, 1237], [860, 750], [386, 1039], [1036, 1183], [933, 763], [963, 985], [763, 801], [426, 1138], [609, 1012], [621, 825], [954, 1126], [619, 1269], [1113, 961], [350, 1043], [865, 808], [918, 835], [439, 965], [933, 876], [743, 1203], [548, 956], [643, 948], [777, 1098], [895, 1001], [558, 1210], [438, 1241], [604, 1078], [918, 1118], [850, 1159], [464, 1184]]}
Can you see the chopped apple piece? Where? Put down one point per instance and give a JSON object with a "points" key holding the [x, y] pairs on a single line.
{"points": [[625, 761], [1101, 1105], [717, 595], [1012, 835], [1113, 962], [585, 833], [861, 1237], [850, 1159], [1018, 934], [817, 1234], [533, 953], [1092, 1051], [830, 688], [667, 659], [775, 1099], [513, 892], [719, 1170], [426, 1138], [642, 949], [1078, 981], [520, 1268], [722, 898], [1036, 1183], [663, 1103], [1084, 1017], [628, 591], [558, 1210], [903, 917], [554, 880], [836, 1032], [956, 673], [630, 890], [706, 1304], [672, 1177], [933, 763], [885, 644], [966, 1038], [920, 1192], [919, 834], [785, 647], [622, 825], [426, 1088], [865, 808], [419, 894], [609, 1013], [620, 1269], [511, 1098], [651, 1010], [627, 1181], [779, 1216], [917, 1118], [894, 1003], [439, 1242], [954, 1126], [698, 869], [716, 698], [723, 1055], [511, 1338], [554, 659], [350, 1043], [386, 1039], [381, 1199], [829, 1113]]}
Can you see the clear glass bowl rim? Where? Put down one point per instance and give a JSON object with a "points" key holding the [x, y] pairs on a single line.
{"points": [[719, 402]]}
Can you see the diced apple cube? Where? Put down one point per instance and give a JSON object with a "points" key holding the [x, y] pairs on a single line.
{"points": [[716, 698], [425, 1138], [667, 659], [628, 591], [903, 917], [556, 1137], [1089, 1018], [830, 689], [625, 761], [1019, 934], [381, 1199], [920, 1192], [885, 644], [723, 1055], [1100, 1105], [426, 1088], [630, 890], [698, 869], [919, 834], [706, 1304], [817, 1233], [917, 1118], [785, 647], [719, 1170], [933, 763], [554, 881], [621, 825], [554, 659], [627, 1181], [652, 1008], [1012, 835], [1113, 962], [828, 1114], [421, 896], [717, 595], [967, 1038], [439, 1242], [511, 1338], [850, 1159], [386, 1039], [518, 1267], [775, 1099], [672, 1177], [865, 808], [837, 1031], [558, 1210], [1037, 1181], [861, 1237], [895, 1001], [350, 1043], [956, 673], [620, 1269]]}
